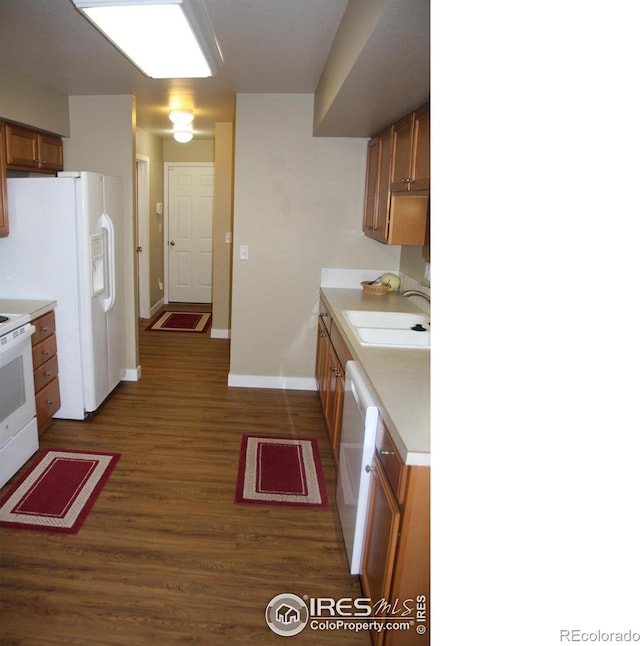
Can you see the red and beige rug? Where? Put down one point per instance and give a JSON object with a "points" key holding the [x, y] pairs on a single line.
{"points": [[58, 491], [280, 471], [181, 322]]}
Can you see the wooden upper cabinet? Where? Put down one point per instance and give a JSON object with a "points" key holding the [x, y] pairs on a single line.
{"points": [[411, 164], [27, 149], [376, 207], [4, 215]]}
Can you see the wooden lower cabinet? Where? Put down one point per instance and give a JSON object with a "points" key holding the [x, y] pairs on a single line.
{"points": [[332, 355], [45, 369], [396, 561]]}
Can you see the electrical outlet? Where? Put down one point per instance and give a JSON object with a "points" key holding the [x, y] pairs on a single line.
{"points": [[227, 237], [160, 285], [244, 252]]}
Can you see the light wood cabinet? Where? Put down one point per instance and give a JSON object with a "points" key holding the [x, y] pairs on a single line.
{"points": [[411, 159], [397, 187], [377, 194], [396, 560], [4, 215], [45, 369], [332, 355], [28, 149]]}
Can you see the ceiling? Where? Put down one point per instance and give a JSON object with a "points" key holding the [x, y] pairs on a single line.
{"points": [[269, 46]]}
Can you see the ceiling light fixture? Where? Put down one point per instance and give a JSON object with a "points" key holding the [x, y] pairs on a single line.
{"points": [[183, 134], [181, 117], [163, 38]]}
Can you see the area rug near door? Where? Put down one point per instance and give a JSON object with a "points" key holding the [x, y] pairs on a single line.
{"points": [[181, 322], [58, 491], [280, 471]]}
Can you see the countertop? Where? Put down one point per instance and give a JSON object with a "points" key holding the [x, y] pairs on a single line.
{"points": [[34, 308], [399, 378]]}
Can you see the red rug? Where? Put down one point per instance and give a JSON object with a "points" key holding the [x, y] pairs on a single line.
{"points": [[58, 491], [181, 322], [280, 471]]}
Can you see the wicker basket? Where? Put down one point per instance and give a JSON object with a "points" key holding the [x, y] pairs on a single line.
{"points": [[378, 290]]}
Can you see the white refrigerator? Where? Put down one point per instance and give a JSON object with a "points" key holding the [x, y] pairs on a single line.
{"points": [[66, 244]]}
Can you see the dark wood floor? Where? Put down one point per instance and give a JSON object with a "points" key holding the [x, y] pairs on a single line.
{"points": [[166, 556]]}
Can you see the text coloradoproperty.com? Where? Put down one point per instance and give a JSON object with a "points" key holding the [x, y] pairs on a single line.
{"points": [[609, 636]]}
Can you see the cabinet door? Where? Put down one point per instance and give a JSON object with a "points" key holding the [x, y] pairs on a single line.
{"points": [[21, 146], [335, 389], [371, 186], [421, 171], [49, 152], [4, 215], [381, 537], [402, 154], [322, 357], [381, 223]]}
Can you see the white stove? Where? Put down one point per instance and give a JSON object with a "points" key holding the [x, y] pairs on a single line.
{"points": [[18, 423], [9, 322]]}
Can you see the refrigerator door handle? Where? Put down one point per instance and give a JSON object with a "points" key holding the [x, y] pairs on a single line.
{"points": [[107, 225]]}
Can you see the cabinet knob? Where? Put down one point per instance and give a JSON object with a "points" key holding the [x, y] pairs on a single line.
{"points": [[45, 352], [387, 453], [47, 373]]}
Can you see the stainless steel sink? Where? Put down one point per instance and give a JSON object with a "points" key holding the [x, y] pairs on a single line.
{"points": [[390, 329]]}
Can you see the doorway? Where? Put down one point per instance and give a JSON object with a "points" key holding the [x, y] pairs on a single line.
{"points": [[190, 193], [142, 232]]}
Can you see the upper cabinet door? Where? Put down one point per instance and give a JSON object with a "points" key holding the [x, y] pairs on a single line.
{"points": [[411, 156], [49, 152], [421, 173], [401, 170], [28, 149], [21, 145]]}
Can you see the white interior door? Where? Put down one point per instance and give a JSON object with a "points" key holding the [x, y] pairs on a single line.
{"points": [[190, 232]]}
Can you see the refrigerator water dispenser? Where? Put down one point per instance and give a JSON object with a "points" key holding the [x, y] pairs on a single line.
{"points": [[97, 264]]}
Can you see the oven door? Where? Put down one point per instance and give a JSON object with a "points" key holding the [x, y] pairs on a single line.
{"points": [[17, 397]]}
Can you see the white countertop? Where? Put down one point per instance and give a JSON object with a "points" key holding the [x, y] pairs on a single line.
{"points": [[34, 308], [399, 378]]}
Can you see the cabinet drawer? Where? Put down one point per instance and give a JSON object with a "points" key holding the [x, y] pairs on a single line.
{"points": [[393, 466], [44, 350], [45, 326], [45, 373], [47, 402]]}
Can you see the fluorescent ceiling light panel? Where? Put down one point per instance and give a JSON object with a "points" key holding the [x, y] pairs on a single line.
{"points": [[155, 35]]}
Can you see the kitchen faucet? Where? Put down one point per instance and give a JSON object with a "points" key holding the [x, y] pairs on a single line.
{"points": [[415, 292]]}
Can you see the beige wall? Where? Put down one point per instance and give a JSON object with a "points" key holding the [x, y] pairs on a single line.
{"points": [[413, 262], [196, 150], [298, 206], [222, 223], [152, 147], [103, 141], [25, 101]]}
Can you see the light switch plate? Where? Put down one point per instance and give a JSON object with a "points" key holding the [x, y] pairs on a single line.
{"points": [[244, 252]]}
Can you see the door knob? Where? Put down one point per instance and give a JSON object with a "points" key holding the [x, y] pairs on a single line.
{"points": [[139, 249], [173, 243]]}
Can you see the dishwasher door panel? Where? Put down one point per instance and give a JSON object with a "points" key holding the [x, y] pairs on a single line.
{"points": [[357, 445]]}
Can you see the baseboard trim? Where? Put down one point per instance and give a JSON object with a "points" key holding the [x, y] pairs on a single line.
{"points": [[264, 381], [132, 374], [220, 334], [156, 308]]}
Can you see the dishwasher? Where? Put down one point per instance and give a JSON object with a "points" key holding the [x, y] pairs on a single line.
{"points": [[357, 445]]}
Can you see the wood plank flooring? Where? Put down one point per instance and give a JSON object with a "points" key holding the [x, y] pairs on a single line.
{"points": [[166, 556]]}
